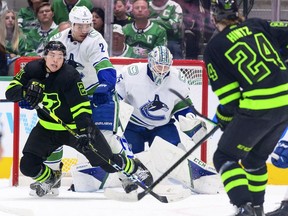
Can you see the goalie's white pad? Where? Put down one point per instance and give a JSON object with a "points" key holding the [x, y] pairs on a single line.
{"points": [[118, 144], [125, 112], [193, 173], [90, 179], [193, 127]]}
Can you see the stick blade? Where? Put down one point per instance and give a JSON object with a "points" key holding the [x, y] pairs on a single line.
{"points": [[164, 193]]}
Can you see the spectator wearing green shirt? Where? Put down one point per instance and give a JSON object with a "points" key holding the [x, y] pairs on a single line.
{"points": [[119, 47], [62, 8], [12, 38], [26, 16], [11, 35], [142, 34], [38, 38], [169, 15]]}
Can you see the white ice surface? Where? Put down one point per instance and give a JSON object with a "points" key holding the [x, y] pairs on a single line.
{"points": [[16, 201]]}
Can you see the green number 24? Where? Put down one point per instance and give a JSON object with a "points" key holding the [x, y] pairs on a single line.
{"points": [[246, 58]]}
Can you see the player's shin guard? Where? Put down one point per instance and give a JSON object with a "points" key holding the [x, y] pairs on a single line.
{"points": [[257, 181], [235, 183]]}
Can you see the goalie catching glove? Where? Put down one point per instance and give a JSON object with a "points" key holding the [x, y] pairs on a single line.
{"points": [[193, 127], [33, 93], [280, 155]]}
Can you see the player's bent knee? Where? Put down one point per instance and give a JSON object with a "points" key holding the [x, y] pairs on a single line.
{"points": [[29, 163], [251, 163], [220, 158]]}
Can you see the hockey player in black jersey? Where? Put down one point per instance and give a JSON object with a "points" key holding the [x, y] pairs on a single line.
{"points": [[250, 79], [59, 88]]}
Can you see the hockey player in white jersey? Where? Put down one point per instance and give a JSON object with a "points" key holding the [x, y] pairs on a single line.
{"points": [[87, 51], [146, 88]]}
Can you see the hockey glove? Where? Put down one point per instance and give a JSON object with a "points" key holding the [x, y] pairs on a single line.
{"points": [[279, 157], [34, 93], [86, 136], [222, 118], [193, 127], [102, 94], [23, 104]]}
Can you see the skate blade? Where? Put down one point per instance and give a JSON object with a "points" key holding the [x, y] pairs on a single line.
{"points": [[52, 193]]}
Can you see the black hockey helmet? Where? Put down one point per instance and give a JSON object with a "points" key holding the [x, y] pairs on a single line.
{"points": [[54, 45], [224, 9]]}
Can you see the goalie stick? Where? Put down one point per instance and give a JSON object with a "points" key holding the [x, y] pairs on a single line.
{"points": [[161, 198], [199, 143]]}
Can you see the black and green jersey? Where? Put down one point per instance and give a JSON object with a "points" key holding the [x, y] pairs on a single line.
{"points": [[245, 66], [64, 94]]}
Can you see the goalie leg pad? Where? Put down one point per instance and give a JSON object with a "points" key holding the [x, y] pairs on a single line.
{"points": [[90, 179], [193, 173]]}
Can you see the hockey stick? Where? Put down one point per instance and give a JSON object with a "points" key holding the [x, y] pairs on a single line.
{"points": [[199, 143], [161, 198], [5, 101]]}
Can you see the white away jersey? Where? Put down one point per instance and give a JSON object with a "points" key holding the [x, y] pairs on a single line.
{"points": [[153, 105], [85, 56]]}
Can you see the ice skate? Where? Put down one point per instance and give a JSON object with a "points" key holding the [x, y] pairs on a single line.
{"points": [[55, 188], [50, 186], [246, 210], [128, 185], [281, 211], [259, 210]]}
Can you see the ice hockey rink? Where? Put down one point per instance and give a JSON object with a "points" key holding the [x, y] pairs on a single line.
{"points": [[15, 201]]}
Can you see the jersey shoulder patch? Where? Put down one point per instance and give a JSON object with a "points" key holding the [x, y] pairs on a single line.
{"points": [[133, 70]]}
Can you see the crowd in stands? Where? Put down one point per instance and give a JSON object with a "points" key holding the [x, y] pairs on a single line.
{"points": [[139, 25]]}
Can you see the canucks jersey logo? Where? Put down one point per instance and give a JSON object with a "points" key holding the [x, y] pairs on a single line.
{"points": [[151, 107], [78, 66]]}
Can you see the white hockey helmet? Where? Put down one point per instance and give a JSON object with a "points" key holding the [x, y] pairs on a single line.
{"points": [[159, 62], [81, 15]]}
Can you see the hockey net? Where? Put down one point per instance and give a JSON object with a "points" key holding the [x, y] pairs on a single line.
{"points": [[194, 71]]}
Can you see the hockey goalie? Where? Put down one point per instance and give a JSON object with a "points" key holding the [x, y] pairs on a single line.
{"points": [[151, 132]]}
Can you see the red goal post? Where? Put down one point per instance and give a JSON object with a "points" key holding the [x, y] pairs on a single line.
{"points": [[194, 70]]}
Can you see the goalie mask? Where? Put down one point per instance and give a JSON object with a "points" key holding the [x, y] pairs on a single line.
{"points": [[159, 62], [224, 9]]}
